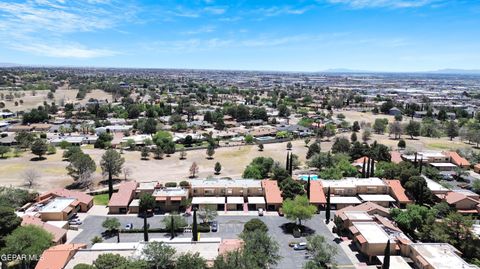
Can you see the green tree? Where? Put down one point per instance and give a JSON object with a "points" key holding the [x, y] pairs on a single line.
{"points": [[380, 125], [417, 187], [452, 129], [159, 255], [341, 145], [25, 139], [145, 152], [158, 152], [178, 222], [29, 240], [210, 151], [260, 250], [401, 144], [249, 139], [298, 209], [4, 150], [320, 251], [313, 149], [147, 203], [190, 261], [109, 261], [413, 128], [218, 168], [9, 221], [207, 214], [103, 141], [112, 225], [71, 151], [291, 188], [111, 164], [39, 147], [80, 164], [253, 225]]}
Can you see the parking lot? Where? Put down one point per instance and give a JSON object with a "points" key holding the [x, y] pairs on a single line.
{"points": [[229, 227]]}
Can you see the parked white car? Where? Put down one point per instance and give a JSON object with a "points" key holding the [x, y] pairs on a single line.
{"points": [[300, 246], [260, 211]]}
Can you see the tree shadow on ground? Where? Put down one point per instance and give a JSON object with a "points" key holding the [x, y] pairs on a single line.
{"points": [[36, 159], [289, 227]]}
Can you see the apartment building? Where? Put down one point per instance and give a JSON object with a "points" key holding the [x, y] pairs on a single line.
{"points": [[349, 191], [228, 194], [436, 256], [120, 201]]}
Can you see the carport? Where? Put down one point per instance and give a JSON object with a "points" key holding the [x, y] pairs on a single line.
{"points": [[256, 202], [202, 202], [235, 203]]}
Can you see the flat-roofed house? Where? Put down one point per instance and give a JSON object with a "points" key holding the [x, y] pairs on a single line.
{"points": [[57, 209], [355, 186], [85, 201], [273, 194], [120, 200], [371, 239], [226, 187], [170, 199], [437, 256], [381, 199]]}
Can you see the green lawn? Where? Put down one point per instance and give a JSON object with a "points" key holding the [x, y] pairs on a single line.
{"points": [[101, 199]]}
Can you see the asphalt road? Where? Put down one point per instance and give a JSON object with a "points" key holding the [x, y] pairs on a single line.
{"points": [[229, 227]]}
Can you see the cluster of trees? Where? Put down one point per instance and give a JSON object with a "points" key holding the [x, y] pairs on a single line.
{"points": [[81, 166], [421, 223]]}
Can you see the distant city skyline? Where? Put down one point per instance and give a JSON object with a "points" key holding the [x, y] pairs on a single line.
{"points": [[306, 35]]}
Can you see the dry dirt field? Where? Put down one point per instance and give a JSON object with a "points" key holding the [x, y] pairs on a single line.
{"points": [[233, 159], [30, 101]]}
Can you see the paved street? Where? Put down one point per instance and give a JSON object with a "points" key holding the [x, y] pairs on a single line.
{"points": [[229, 227]]}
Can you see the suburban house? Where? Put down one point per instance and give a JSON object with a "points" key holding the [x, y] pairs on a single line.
{"points": [[464, 201], [398, 192], [458, 160], [85, 201], [120, 200], [436, 256], [57, 257], [59, 233]]}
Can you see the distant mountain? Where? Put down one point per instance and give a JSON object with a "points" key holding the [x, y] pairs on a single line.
{"points": [[344, 70], [9, 65], [457, 71]]}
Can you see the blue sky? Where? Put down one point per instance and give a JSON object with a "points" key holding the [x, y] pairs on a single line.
{"points": [[301, 35]]}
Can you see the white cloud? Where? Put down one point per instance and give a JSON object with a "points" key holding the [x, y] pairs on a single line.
{"points": [[63, 50], [384, 3], [281, 10], [31, 25]]}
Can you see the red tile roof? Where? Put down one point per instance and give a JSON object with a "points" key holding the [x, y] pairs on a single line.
{"points": [[124, 194], [453, 197], [398, 191], [228, 245], [317, 196], [57, 257], [58, 233], [396, 157], [368, 207], [273, 195], [60, 192], [457, 159]]}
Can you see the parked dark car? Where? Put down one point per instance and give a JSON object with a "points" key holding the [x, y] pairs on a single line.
{"points": [[214, 226]]}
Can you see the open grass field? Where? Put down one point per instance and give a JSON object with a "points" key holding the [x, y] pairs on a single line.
{"points": [[100, 199]]}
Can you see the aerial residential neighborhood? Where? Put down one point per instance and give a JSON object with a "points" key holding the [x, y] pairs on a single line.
{"points": [[286, 134]]}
